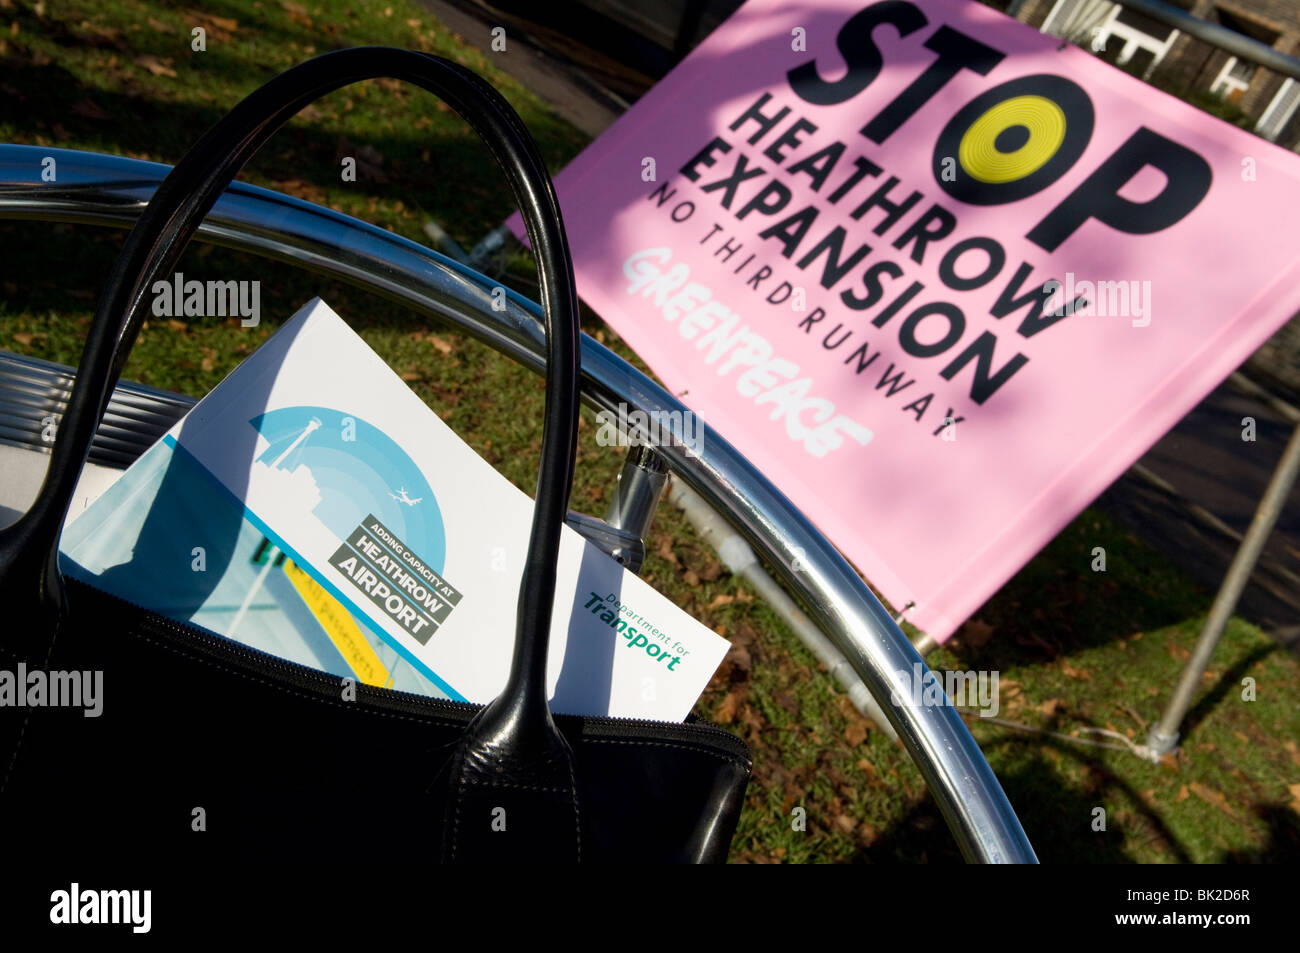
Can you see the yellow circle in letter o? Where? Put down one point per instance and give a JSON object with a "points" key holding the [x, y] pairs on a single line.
{"points": [[980, 157]]}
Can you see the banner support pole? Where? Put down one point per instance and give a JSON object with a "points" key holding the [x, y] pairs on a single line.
{"points": [[1164, 736]]}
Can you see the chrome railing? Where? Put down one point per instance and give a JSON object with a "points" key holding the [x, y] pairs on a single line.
{"points": [[107, 190]]}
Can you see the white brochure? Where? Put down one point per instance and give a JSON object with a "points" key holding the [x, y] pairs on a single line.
{"points": [[313, 468]]}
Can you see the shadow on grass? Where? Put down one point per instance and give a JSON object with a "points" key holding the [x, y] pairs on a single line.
{"points": [[458, 182], [1056, 813], [1229, 681], [1058, 604], [1283, 840]]}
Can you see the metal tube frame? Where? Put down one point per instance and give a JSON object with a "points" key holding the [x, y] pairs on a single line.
{"points": [[1238, 44], [98, 189]]}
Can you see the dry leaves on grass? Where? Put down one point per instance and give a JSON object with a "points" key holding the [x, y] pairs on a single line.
{"points": [[1071, 672], [855, 732], [710, 570], [100, 37], [725, 711], [296, 13], [217, 28], [665, 549], [1213, 798], [1293, 751], [301, 190], [154, 65], [787, 701]]}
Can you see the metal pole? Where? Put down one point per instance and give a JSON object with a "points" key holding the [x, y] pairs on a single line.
{"points": [[1238, 44], [1164, 736], [638, 491]]}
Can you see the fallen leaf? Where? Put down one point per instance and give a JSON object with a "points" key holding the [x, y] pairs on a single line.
{"points": [[100, 36], [176, 325], [711, 570], [443, 347], [1213, 797], [855, 732], [845, 823], [208, 20], [297, 13], [1050, 707], [1293, 751], [1183, 795], [154, 65], [725, 712], [1295, 796], [301, 190], [721, 599]]}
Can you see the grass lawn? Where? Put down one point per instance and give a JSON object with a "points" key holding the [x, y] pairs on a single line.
{"points": [[1074, 648]]}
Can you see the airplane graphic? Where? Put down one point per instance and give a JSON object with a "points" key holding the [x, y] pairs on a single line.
{"points": [[403, 498]]}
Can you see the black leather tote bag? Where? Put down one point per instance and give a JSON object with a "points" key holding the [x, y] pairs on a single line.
{"points": [[207, 749]]}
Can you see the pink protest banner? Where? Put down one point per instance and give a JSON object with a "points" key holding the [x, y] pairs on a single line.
{"points": [[939, 279]]}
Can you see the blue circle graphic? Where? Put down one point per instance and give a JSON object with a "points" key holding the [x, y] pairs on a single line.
{"points": [[359, 470]]}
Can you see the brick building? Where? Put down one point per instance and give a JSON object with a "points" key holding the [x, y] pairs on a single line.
{"points": [[1175, 60]]}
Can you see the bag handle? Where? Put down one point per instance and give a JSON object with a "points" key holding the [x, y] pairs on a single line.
{"points": [[514, 738]]}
